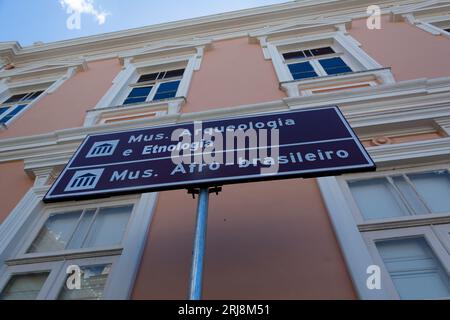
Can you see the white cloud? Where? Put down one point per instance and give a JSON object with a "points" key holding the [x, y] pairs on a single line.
{"points": [[84, 6]]}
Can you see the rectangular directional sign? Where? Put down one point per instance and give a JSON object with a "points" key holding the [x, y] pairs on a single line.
{"points": [[301, 143]]}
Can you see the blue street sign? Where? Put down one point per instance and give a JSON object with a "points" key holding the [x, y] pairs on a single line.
{"points": [[308, 143]]}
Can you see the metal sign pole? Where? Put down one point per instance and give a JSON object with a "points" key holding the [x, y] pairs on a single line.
{"points": [[195, 289]]}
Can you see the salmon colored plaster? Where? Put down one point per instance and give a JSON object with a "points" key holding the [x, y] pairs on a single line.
{"points": [[411, 52], [14, 183], [67, 106], [232, 73], [267, 240]]}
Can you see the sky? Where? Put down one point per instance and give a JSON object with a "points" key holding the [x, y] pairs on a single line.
{"points": [[29, 21]]}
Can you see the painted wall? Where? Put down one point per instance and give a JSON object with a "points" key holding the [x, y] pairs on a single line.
{"points": [[14, 183], [266, 240], [411, 52], [233, 73], [67, 106]]}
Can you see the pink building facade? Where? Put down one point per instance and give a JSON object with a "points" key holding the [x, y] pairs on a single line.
{"points": [[378, 235]]}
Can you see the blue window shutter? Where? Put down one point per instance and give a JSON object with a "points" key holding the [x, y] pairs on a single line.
{"points": [[334, 66], [302, 70], [14, 112], [3, 110], [414, 268], [167, 90], [138, 95]]}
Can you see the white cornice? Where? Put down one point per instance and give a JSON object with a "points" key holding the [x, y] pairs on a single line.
{"points": [[167, 47], [304, 24], [396, 104], [423, 7], [45, 68], [245, 20], [411, 152]]}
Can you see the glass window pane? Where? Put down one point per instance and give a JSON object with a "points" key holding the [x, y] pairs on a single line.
{"points": [[307, 53], [174, 73], [168, 86], [148, 77], [34, 95], [167, 90], [293, 55], [334, 66], [15, 98], [414, 269], [161, 75], [93, 281], [377, 199], [15, 111], [24, 286], [55, 233], [410, 196], [109, 227], [302, 70], [138, 95], [434, 188], [3, 109], [139, 92], [322, 51], [82, 229]]}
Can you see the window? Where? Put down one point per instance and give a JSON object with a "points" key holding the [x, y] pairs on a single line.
{"points": [[15, 104], [302, 70], [414, 268], [403, 217], [447, 30], [90, 238], [93, 281], [155, 86], [403, 194], [89, 228], [24, 286], [316, 62], [334, 66]]}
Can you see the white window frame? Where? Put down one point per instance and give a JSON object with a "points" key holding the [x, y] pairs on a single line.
{"points": [[53, 268], [22, 223], [443, 232], [13, 91], [350, 226], [357, 214], [61, 279], [314, 60], [155, 86], [58, 275], [28, 240], [435, 25], [9, 85], [396, 234], [111, 102], [342, 43]]}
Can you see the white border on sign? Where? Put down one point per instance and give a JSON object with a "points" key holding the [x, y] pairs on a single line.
{"points": [[148, 188]]}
